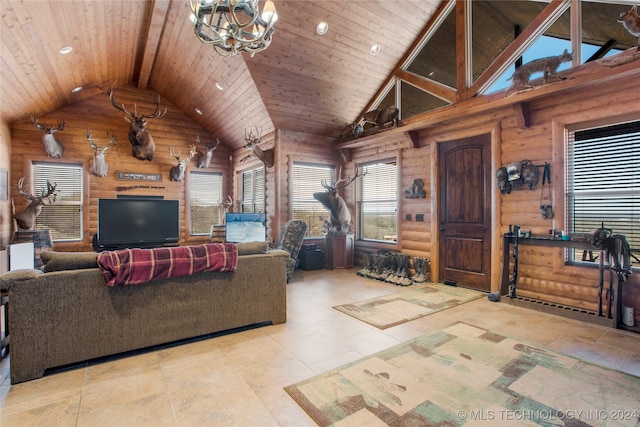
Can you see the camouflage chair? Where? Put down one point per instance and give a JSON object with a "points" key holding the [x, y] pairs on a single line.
{"points": [[291, 241]]}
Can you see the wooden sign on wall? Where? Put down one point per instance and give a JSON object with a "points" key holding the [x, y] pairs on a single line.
{"points": [[133, 176]]}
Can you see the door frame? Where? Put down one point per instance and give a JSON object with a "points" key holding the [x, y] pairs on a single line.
{"points": [[493, 129]]}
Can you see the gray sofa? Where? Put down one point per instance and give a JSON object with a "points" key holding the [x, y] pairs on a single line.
{"points": [[64, 317]]}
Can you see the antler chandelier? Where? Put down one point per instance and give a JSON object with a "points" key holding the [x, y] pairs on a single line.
{"points": [[233, 26]]}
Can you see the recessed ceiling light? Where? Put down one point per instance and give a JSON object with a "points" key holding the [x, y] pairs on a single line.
{"points": [[65, 50], [219, 86], [77, 89], [374, 49], [322, 28], [198, 111]]}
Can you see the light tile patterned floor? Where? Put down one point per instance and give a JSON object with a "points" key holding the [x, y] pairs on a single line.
{"points": [[238, 379]]}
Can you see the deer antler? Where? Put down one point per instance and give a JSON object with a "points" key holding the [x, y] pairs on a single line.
{"points": [[343, 182], [24, 190]]}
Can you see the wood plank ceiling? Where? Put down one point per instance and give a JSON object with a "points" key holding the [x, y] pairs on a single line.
{"points": [[302, 82]]}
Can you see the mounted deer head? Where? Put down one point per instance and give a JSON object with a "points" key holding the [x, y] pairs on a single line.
{"points": [[203, 160], [177, 172], [340, 220], [100, 166], [26, 219], [141, 140], [252, 141], [52, 146]]}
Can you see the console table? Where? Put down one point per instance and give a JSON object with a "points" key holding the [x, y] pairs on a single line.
{"points": [[511, 297]]}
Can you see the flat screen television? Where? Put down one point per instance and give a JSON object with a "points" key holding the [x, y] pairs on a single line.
{"points": [[137, 222], [246, 227]]}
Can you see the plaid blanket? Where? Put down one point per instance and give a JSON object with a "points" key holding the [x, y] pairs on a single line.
{"points": [[136, 266]]}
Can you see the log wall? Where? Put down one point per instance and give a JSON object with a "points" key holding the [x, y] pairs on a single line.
{"points": [[173, 130]]}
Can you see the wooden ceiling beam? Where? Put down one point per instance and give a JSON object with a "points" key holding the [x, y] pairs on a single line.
{"points": [[156, 24]]}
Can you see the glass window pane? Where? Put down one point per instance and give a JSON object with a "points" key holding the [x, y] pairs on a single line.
{"points": [[64, 216], [205, 201], [307, 179], [378, 202]]}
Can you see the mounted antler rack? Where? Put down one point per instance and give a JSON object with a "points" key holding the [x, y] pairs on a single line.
{"points": [[133, 187]]}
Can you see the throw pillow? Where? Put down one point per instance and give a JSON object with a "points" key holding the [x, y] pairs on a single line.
{"points": [[59, 261], [8, 279], [250, 248]]}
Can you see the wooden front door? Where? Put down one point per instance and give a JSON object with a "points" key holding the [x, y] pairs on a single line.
{"points": [[464, 201]]}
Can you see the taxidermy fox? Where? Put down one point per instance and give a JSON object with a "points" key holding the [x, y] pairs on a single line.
{"points": [[548, 66], [631, 22]]}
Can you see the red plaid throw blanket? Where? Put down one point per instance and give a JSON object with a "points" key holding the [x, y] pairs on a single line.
{"points": [[136, 266]]}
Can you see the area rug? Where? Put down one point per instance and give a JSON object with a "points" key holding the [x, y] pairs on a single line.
{"points": [[408, 304], [464, 374]]}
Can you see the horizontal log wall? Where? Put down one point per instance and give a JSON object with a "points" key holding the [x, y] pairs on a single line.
{"points": [[173, 130], [542, 271]]}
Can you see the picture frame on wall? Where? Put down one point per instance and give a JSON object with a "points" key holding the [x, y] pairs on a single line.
{"points": [[4, 185]]}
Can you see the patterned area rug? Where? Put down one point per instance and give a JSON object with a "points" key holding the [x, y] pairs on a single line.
{"points": [[408, 304], [468, 375]]}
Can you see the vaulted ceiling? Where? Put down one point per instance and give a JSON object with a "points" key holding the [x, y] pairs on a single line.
{"points": [[303, 82]]}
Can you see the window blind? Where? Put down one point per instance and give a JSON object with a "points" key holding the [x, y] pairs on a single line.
{"points": [[378, 201], [253, 190], [307, 179], [64, 217], [205, 198], [603, 181]]}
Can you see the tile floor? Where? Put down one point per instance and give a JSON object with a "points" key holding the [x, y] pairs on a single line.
{"points": [[238, 379]]}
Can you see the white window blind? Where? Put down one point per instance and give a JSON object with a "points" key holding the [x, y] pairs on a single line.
{"points": [[205, 198], [378, 201], [603, 181], [307, 179], [253, 190], [64, 217]]}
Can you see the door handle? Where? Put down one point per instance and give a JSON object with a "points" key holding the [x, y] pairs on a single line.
{"points": [[441, 228]]}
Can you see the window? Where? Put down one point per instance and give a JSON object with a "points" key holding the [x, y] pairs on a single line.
{"points": [[603, 182], [253, 190], [377, 201], [307, 179], [64, 217], [205, 199]]}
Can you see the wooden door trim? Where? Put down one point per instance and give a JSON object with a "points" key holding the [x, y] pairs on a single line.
{"points": [[493, 129]]}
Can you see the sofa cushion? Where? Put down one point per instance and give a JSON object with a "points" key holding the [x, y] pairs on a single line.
{"points": [[250, 248], [59, 261], [9, 279]]}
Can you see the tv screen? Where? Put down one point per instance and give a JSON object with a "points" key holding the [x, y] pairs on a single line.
{"points": [[246, 227], [137, 222]]}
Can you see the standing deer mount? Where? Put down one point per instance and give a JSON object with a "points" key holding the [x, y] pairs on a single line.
{"points": [[340, 221], [141, 140], [26, 219], [177, 172], [252, 141], [100, 166], [52, 146], [203, 159]]}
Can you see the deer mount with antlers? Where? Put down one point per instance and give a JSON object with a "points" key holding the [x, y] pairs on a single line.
{"points": [[141, 140], [52, 146], [177, 172], [26, 219], [252, 141], [340, 216], [100, 166], [203, 159]]}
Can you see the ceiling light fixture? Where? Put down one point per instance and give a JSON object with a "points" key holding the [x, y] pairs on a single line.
{"points": [[374, 49], [77, 89], [65, 50], [233, 26], [198, 111], [322, 28], [219, 86]]}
